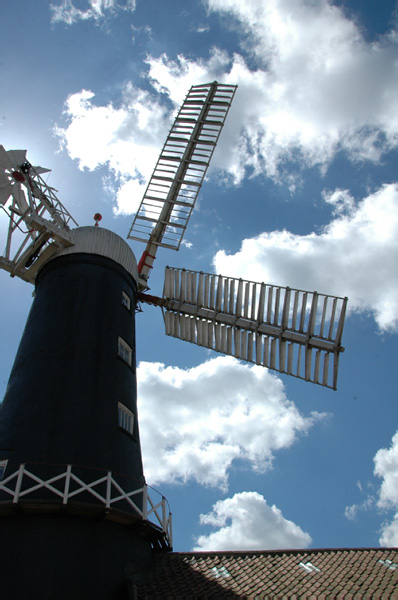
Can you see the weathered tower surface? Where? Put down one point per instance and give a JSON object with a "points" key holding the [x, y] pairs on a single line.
{"points": [[73, 496]]}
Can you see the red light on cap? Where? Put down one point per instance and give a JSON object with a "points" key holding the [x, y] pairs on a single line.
{"points": [[97, 218]]}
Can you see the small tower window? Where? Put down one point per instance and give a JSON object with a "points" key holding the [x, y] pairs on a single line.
{"points": [[126, 300], [125, 418], [3, 466], [124, 351]]}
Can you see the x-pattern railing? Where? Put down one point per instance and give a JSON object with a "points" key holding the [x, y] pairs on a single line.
{"points": [[17, 485]]}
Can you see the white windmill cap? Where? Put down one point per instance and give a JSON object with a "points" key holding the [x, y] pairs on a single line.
{"points": [[96, 240]]}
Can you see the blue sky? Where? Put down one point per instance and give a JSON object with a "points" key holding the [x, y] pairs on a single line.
{"points": [[302, 191]]}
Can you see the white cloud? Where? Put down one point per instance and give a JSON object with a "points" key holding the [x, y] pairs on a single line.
{"points": [[247, 522], [386, 467], [389, 535], [124, 138], [67, 12], [127, 138], [175, 77], [351, 512], [129, 195], [359, 247], [319, 86], [200, 420]]}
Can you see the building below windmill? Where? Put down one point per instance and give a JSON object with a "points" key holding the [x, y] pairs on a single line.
{"points": [[327, 573]]}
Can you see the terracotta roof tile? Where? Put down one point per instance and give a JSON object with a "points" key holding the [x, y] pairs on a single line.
{"points": [[338, 573]]}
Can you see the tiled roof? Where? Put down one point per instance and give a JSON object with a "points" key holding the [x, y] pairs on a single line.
{"points": [[330, 573]]}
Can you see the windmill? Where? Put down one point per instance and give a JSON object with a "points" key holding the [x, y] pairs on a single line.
{"points": [[73, 379]]}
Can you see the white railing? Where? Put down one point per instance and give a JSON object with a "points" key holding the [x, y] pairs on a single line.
{"points": [[19, 485]]}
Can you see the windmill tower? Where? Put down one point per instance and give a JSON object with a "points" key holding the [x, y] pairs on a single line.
{"points": [[74, 503]]}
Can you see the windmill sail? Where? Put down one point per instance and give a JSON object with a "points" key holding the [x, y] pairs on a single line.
{"points": [[291, 331], [170, 197], [37, 221]]}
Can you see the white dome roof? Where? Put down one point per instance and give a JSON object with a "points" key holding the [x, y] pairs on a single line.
{"points": [[96, 240]]}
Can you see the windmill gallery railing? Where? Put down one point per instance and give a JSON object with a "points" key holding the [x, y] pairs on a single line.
{"points": [[143, 504]]}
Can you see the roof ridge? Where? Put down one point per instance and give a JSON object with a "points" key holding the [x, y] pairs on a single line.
{"points": [[281, 551]]}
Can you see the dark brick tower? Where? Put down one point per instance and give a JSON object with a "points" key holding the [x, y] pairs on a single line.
{"points": [[69, 432]]}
